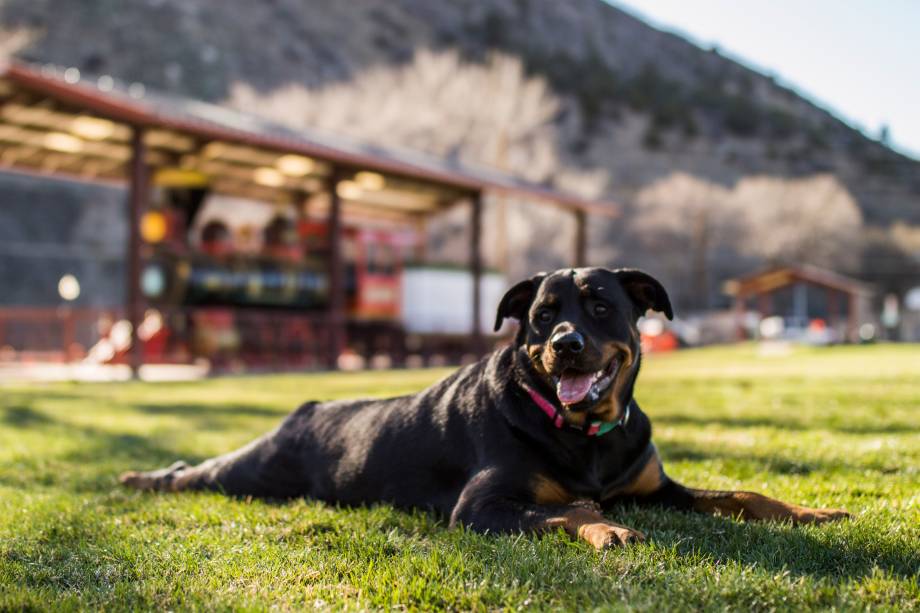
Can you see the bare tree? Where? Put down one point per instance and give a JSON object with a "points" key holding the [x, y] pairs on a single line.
{"points": [[12, 41], [683, 220], [813, 220], [491, 114]]}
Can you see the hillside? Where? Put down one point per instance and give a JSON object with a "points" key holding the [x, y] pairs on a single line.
{"points": [[628, 109]]}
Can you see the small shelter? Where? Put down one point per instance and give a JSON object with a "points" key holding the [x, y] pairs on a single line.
{"points": [[803, 295], [59, 123]]}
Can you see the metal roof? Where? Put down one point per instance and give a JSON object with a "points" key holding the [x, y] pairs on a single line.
{"points": [[136, 106]]}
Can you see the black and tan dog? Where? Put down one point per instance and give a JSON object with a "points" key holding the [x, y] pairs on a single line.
{"points": [[539, 435]]}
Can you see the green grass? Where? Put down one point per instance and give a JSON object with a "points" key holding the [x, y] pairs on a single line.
{"points": [[837, 427]]}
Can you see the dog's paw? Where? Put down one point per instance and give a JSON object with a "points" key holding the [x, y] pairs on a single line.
{"points": [[806, 515], [153, 480], [137, 480], [604, 535]]}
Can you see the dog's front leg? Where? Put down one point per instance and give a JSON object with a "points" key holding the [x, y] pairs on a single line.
{"points": [[491, 502], [744, 505], [653, 486]]}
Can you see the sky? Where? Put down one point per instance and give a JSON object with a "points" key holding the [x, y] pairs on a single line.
{"points": [[859, 59]]}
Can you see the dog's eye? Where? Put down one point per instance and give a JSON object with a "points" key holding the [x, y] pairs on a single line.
{"points": [[544, 316], [600, 309]]}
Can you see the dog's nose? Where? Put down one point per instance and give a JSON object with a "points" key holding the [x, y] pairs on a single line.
{"points": [[571, 343]]}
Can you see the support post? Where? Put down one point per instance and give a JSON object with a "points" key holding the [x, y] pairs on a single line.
{"points": [[740, 308], [421, 237], [476, 271], [831, 307], [581, 239], [137, 200], [336, 312], [853, 317], [68, 333]]}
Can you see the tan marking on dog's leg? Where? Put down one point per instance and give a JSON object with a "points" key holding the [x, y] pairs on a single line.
{"points": [[753, 506], [594, 528], [549, 491], [648, 481]]}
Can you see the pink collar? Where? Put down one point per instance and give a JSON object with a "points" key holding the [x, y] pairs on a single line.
{"points": [[593, 428]]}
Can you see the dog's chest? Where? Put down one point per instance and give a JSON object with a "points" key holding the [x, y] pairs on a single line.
{"points": [[595, 471], [585, 474]]}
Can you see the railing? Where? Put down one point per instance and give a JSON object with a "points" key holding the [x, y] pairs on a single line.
{"points": [[229, 339], [46, 334], [252, 339]]}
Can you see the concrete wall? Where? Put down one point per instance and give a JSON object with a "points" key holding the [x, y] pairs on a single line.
{"points": [[49, 228]]}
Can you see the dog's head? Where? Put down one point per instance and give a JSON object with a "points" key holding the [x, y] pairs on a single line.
{"points": [[578, 331]]}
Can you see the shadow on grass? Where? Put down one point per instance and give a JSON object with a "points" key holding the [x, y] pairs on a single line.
{"points": [[100, 444], [16, 410], [28, 397], [769, 460], [120, 446], [23, 416], [94, 457], [782, 423], [223, 409], [779, 547], [23, 402], [116, 452], [209, 417]]}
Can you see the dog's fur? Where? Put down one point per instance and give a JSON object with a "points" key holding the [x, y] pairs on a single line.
{"points": [[476, 448]]}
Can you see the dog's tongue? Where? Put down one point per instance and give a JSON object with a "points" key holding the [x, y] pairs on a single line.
{"points": [[572, 387]]}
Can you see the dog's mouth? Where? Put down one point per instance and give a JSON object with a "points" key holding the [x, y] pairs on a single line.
{"points": [[579, 390]]}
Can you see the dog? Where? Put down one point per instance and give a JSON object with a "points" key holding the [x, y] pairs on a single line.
{"points": [[539, 435]]}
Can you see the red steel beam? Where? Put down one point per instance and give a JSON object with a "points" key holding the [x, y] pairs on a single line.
{"points": [[137, 201], [476, 270], [581, 239], [336, 306]]}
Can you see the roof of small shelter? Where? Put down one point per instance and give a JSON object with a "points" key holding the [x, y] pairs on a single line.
{"points": [[774, 277], [56, 121]]}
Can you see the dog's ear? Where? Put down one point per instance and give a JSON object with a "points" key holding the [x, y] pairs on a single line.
{"points": [[645, 291], [516, 301]]}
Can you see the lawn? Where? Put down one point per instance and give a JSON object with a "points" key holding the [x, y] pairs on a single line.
{"points": [[824, 427]]}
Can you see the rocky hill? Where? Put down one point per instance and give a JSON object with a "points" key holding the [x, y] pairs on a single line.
{"points": [[633, 112]]}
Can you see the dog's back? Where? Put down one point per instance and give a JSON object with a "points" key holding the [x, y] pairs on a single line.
{"points": [[411, 451]]}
